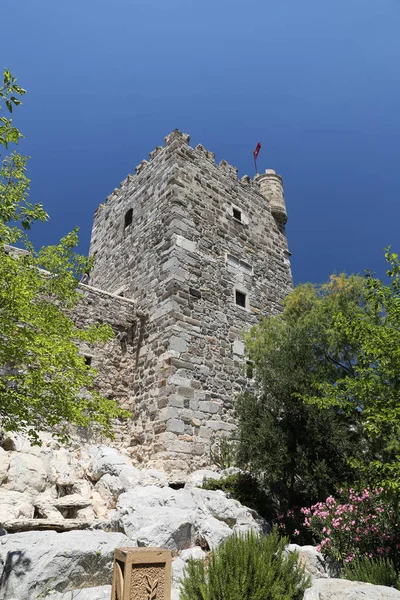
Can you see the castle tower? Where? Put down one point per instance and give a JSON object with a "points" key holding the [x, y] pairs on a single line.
{"points": [[203, 256]]}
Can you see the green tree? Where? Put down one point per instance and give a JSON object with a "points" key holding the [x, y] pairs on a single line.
{"points": [[300, 451], [372, 392], [44, 383]]}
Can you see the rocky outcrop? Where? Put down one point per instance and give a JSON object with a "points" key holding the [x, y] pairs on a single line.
{"points": [[98, 490], [94, 593], [341, 589], [312, 561], [99, 500], [37, 562]]}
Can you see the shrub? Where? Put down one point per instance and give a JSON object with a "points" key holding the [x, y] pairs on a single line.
{"points": [[246, 568], [358, 524], [379, 571], [291, 524]]}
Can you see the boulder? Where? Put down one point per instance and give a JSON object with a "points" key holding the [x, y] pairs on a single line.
{"points": [[107, 461], [15, 505], [178, 519], [312, 560], [153, 517], [26, 472], [198, 478], [153, 477], [102, 592], [36, 562], [4, 465], [341, 589], [110, 487]]}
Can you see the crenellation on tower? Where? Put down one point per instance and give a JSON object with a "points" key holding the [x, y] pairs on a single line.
{"points": [[207, 153]]}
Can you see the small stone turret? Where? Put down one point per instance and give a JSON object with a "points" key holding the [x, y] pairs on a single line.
{"points": [[271, 186]]}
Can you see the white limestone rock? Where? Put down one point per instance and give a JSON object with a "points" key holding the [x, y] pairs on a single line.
{"points": [[312, 560], [102, 592], [130, 477], [26, 471], [153, 477], [110, 487], [15, 505], [198, 478], [38, 562], [4, 465], [178, 519], [341, 589], [153, 516], [108, 461]]}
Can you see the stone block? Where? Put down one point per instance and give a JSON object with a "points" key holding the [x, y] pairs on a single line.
{"points": [[187, 392], [178, 344], [176, 401], [204, 432], [220, 426], [238, 348], [175, 379], [188, 245], [209, 407], [175, 425], [168, 413]]}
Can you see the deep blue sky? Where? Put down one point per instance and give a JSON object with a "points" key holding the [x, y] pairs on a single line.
{"points": [[316, 81]]}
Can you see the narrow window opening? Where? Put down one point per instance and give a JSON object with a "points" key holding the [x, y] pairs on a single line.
{"points": [[240, 298], [128, 217], [88, 360], [237, 214]]}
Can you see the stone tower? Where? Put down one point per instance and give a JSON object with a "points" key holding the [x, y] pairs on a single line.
{"points": [[201, 256]]}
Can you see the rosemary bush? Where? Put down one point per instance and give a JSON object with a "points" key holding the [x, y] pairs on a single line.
{"points": [[246, 567]]}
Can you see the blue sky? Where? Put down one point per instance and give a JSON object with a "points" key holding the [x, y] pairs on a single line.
{"points": [[317, 82]]}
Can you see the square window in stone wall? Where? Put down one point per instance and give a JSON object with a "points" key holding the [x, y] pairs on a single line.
{"points": [[240, 299], [237, 214]]}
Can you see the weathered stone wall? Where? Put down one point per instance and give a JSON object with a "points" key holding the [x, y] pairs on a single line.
{"points": [[115, 360], [194, 239]]}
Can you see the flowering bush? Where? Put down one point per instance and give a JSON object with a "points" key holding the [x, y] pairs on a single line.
{"points": [[357, 524], [291, 524]]}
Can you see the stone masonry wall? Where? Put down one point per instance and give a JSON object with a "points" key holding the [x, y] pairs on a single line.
{"points": [[196, 242]]}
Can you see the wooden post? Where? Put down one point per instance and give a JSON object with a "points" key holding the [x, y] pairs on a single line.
{"points": [[141, 574]]}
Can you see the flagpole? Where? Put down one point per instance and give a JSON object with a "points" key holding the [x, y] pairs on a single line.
{"points": [[255, 165]]}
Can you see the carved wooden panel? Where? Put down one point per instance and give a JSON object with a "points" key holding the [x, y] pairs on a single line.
{"points": [[148, 582]]}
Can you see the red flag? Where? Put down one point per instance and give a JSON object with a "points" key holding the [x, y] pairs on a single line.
{"points": [[257, 150]]}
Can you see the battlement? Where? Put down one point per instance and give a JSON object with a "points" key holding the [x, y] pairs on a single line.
{"points": [[175, 140]]}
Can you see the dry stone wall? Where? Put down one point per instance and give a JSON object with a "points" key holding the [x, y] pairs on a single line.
{"points": [[202, 258]]}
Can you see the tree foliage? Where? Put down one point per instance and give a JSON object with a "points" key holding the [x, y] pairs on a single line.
{"points": [[328, 374], [370, 391], [45, 382], [300, 451]]}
